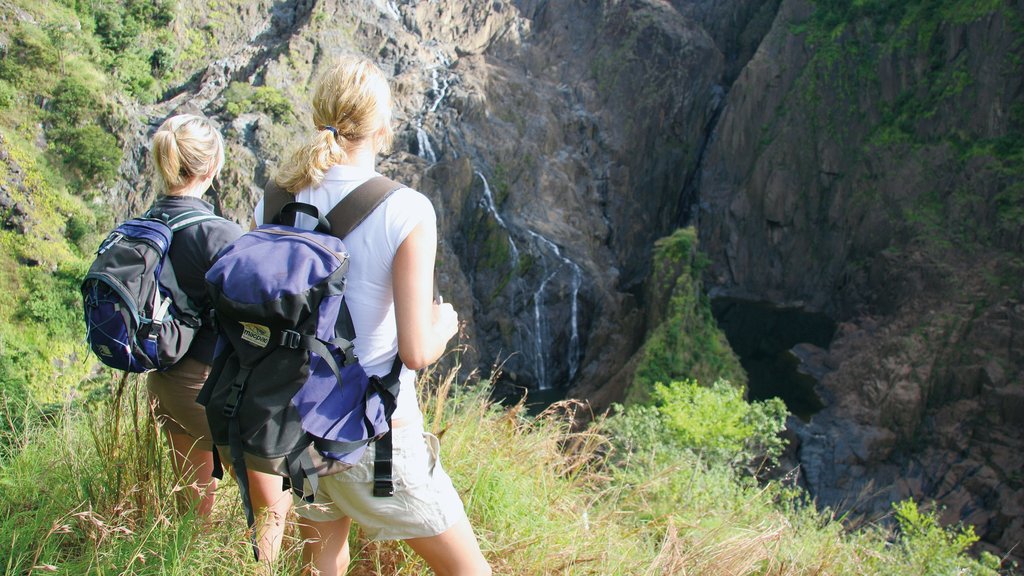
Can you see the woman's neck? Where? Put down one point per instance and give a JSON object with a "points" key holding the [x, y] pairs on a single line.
{"points": [[362, 156], [195, 189]]}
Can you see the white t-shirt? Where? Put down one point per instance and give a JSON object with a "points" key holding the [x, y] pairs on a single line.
{"points": [[372, 246]]}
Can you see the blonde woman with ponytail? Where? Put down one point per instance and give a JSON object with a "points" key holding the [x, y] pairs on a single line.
{"points": [[188, 153], [390, 297]]}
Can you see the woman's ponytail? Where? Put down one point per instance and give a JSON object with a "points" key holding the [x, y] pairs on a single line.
{"points": [[186, 147], [351, 103], [168, 159], [310, 162]]}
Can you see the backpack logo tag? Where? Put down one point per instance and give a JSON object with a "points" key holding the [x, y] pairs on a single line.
{"points": [[255, 334], [104, 350]]}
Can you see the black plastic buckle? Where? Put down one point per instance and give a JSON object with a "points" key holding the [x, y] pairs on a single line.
{"points": [[234, 399], [383, 486], [290, 339]]}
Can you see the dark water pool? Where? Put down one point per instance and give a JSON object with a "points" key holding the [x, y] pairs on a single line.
{"points": [[762, 335]]}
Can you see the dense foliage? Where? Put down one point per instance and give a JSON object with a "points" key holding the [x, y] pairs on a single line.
{"points": [[685, 342]]}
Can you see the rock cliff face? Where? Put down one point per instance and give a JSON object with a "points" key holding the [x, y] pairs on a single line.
{"points": [[864, 178], [869, 179]]}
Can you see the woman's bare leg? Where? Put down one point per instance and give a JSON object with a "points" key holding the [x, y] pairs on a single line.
{"points": [[194, 470], [325, 546], [270, 504], [454, 552]]}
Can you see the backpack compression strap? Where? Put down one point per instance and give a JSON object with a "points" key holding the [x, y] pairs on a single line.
{"points": [[387, 388], [183, 220]]}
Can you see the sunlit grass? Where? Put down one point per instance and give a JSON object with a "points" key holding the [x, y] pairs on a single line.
{"points": [[89, 491]]}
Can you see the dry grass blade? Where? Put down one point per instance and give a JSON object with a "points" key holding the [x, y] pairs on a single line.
{"points": [[715, 554]]}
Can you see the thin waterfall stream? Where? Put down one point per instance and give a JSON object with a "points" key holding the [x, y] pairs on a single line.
{"points": [[542, 342]]}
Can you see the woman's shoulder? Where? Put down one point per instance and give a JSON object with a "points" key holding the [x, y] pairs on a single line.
{"points": [[215, 234], [410, 199]]}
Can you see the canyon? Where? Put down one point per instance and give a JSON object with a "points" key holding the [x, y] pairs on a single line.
{"points": [[866, 167]]}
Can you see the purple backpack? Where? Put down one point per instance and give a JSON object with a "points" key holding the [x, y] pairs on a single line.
{"points": [[137, 319], [286, 394]]}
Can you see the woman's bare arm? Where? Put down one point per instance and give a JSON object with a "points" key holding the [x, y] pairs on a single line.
{"points": [[424, 327]]}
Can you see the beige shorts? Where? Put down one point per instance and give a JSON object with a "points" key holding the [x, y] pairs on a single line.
{"points": [[174, 394], [425, 502]]}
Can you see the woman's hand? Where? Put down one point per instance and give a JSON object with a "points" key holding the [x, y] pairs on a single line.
{"points": [[446, 321]]}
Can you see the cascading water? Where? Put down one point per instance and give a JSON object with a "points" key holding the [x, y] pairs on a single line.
{"points": [[530, 294], [573, 352], [425, 150], [488, 203], [537, 344], [440, 81]]}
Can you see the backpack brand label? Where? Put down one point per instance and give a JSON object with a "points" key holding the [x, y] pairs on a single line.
{"points": [[255, 334]]}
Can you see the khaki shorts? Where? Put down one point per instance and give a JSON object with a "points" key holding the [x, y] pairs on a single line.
{"points": [[174, 394], [425, 502]]}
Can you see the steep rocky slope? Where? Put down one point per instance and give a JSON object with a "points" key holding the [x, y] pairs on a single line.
{"points": [[871, 169], [553, 138]]}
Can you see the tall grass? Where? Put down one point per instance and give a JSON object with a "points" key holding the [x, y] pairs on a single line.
{"points": [[90, 491]]}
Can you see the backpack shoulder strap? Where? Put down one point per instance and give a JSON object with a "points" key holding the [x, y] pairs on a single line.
{"points": [[359, 204], [190, 218], [274, 199]]}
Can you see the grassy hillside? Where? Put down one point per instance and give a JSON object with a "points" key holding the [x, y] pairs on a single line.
{"points": [[629, 495]]}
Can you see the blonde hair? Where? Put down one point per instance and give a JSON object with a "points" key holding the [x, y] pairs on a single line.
{"points": [[186, 147], [351, 102]]}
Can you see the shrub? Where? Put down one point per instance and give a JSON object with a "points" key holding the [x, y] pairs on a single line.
{"points": [[89, 149], [271, 101], [718, 422], [714, 422], [7, 94], [929, 549], [241, 98], [134, 72], [117, 30], [72, 104], [155, 13], [161, 60]]}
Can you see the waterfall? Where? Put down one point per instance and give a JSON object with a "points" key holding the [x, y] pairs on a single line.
{"points": [[489, 204], [439, 84], [537, 348], [538, 299], [440, 87], [426, 151]]}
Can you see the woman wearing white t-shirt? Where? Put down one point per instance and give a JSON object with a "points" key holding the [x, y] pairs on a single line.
{"points": [[390, 297]]}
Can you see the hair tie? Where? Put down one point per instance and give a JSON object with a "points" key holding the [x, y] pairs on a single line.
{"points": [[333, 130]]}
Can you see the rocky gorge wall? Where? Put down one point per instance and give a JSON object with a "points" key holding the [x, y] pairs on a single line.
{"points": [[846, 163], [870, 169]]}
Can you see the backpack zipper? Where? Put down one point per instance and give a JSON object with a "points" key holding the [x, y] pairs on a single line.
{"points": [[341, 256]]}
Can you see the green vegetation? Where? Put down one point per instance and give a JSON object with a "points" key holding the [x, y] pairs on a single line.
{"points": [[687, 343], [625, 496], [889, 83], [662, 486], [241, 98], [42, 263]]}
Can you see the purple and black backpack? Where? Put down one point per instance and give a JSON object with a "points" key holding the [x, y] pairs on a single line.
{"points": [[286, 394], [137, 318]]}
